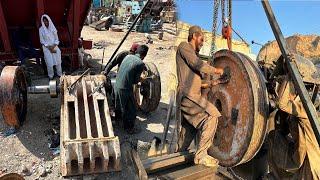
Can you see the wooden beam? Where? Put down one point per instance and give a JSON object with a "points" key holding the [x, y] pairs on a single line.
{"points": [[4, 30], [167, 161], [198, 172], [142, 174]]}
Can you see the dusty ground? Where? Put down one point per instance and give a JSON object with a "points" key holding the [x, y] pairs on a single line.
{"points": [[27, 150]]}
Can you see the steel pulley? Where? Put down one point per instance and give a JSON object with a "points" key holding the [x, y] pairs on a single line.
{"points": [[148, 94], [13, 95], [243, 103]]}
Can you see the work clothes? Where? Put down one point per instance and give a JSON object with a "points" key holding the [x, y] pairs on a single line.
{"points": [[294, 152], [49, 37], [197, 115], [128, 75], [116, 61]]}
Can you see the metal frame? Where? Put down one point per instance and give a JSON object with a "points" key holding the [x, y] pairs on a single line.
{"points": [[40, 11], [4, 30]]}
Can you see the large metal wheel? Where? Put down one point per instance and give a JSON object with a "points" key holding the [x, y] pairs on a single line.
{"points": [[243, 104], [11, 176], [148, 95], [13, 95]]}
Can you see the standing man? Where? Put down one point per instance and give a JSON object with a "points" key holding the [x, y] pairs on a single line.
{"points": [[120, 57], [198, 116], [128, 75]]}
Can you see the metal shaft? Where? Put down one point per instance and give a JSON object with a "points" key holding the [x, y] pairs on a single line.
{"points": [[128, 32], [39, 89], [293, 71]]}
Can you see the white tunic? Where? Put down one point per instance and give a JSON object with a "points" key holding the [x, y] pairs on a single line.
{"points": [[49, 37]]}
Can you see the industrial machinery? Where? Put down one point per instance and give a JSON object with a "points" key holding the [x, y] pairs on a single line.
{"points": [[245, 103], [67, 15], [87, 140]]}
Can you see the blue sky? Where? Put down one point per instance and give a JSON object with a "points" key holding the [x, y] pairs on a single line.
{"points": [[250, 21]]}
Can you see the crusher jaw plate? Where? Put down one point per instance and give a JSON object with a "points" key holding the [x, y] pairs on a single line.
{"points": [[88, 143]]}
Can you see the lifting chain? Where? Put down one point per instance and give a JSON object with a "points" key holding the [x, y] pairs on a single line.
{"points": [[223, 11], [214, 26], [230, 12]]}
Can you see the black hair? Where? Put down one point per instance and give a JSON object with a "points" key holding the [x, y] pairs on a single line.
{"points": [[142, 50], [45, 18], [190, 36]]}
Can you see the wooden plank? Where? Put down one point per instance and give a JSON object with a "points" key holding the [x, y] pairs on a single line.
{"points": [[142, 174], [86, 108], [223, 171], [164, 157], [198, 172], [167, 161]]}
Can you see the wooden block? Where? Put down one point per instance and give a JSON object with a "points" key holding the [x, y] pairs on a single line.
{"points": [[198, 172], [142, 174], [167, 161]]}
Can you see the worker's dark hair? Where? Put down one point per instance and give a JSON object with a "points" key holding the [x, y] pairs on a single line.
{"points": [[191, 35], [142, 50]]}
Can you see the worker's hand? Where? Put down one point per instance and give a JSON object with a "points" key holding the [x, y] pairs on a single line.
{"points": [[226, 76], [52, 49], [219, 81], [218, 71]]}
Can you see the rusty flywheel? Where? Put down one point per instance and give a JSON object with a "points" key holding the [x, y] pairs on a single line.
{"points": [[13, 95], [11, 176], [148, 95], [243, 104]]}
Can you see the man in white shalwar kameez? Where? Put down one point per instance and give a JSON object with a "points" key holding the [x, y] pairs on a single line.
{"points": [[50, 41]]}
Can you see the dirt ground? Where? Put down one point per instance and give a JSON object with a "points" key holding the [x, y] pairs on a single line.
{"points": [[27, 149]]}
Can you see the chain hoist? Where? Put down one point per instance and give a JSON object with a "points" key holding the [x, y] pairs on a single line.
{"points": [[226, 24]]}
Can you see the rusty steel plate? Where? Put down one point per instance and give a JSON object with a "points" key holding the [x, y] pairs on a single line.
{"points": [[243, 104], [148, 95], [13, 95]]}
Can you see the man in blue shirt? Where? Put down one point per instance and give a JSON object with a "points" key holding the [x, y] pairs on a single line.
{"points": [[128, 75]]}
